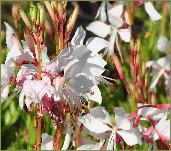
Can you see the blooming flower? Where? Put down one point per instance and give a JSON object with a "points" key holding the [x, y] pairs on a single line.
{"points": [[99, 116], [102, 29], [161, 66]]}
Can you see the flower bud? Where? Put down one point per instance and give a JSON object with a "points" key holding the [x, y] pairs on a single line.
{"points": [[41, 13], [72, 18], [24, 18], [33, 12], [50, 10], [15, 12], [60, 10]]}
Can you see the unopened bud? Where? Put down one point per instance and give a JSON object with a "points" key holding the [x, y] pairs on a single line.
{"points": [[50, 10], [60, 10], [38, 17], [41, 13], [33, 12], [73, 18], [54, 5], [24, 18], [15, 12]]}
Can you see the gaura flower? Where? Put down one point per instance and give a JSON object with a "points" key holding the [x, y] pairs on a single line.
{"points": [[101, 29], [99, 123], [161, 66]]}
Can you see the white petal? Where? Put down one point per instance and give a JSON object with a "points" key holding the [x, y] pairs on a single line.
{"points": [[89, 147], [151, 11], [102, 12], [94, 67], [78, 36], [80, 84], [131, 137], [163, 126], [99, 28], [112, 41], [95, 95], [125, 34], [9, 34], [163, 44], [4, 93], [97, 120], [47, 142], [114, 15], [14, 50], [122, 119], [21, 100], [96, 44]]}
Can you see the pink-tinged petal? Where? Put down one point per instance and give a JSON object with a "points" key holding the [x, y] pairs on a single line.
{"points": [[122, 119], [97, 120], [96, 44], [157, 114], [101, 13], [78, 36], [163, 44], [131, 137], [47, 142], [125, 34], [95, 95], [99, 28], [151, 11]]}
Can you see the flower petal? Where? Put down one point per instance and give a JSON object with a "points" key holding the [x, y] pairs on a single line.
{"points": [[131, 137], [125, 34], [151, 11], [101, 13], [99, 28], [114, 15], [96, 44], [122, 119], [96, 94], [97, 120], [47, 142], [163, 44], [78, 36]]}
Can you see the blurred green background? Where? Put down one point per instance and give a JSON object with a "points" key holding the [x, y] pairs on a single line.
{"points": [[17, 130]]}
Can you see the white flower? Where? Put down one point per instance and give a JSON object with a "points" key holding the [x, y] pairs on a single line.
{"points": [[47, 142], [130, 134], [98, 122], [162, 65], [101, 29]]}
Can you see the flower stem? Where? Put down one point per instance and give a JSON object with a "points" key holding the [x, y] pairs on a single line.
{"points": [[39, 59], [39, 132], [58, 138]]}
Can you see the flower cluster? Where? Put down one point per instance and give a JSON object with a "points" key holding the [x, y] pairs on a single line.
{"points": [[67, 82]]}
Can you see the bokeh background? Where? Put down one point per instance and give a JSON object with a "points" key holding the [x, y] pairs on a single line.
{"points": [[17, 130]]}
